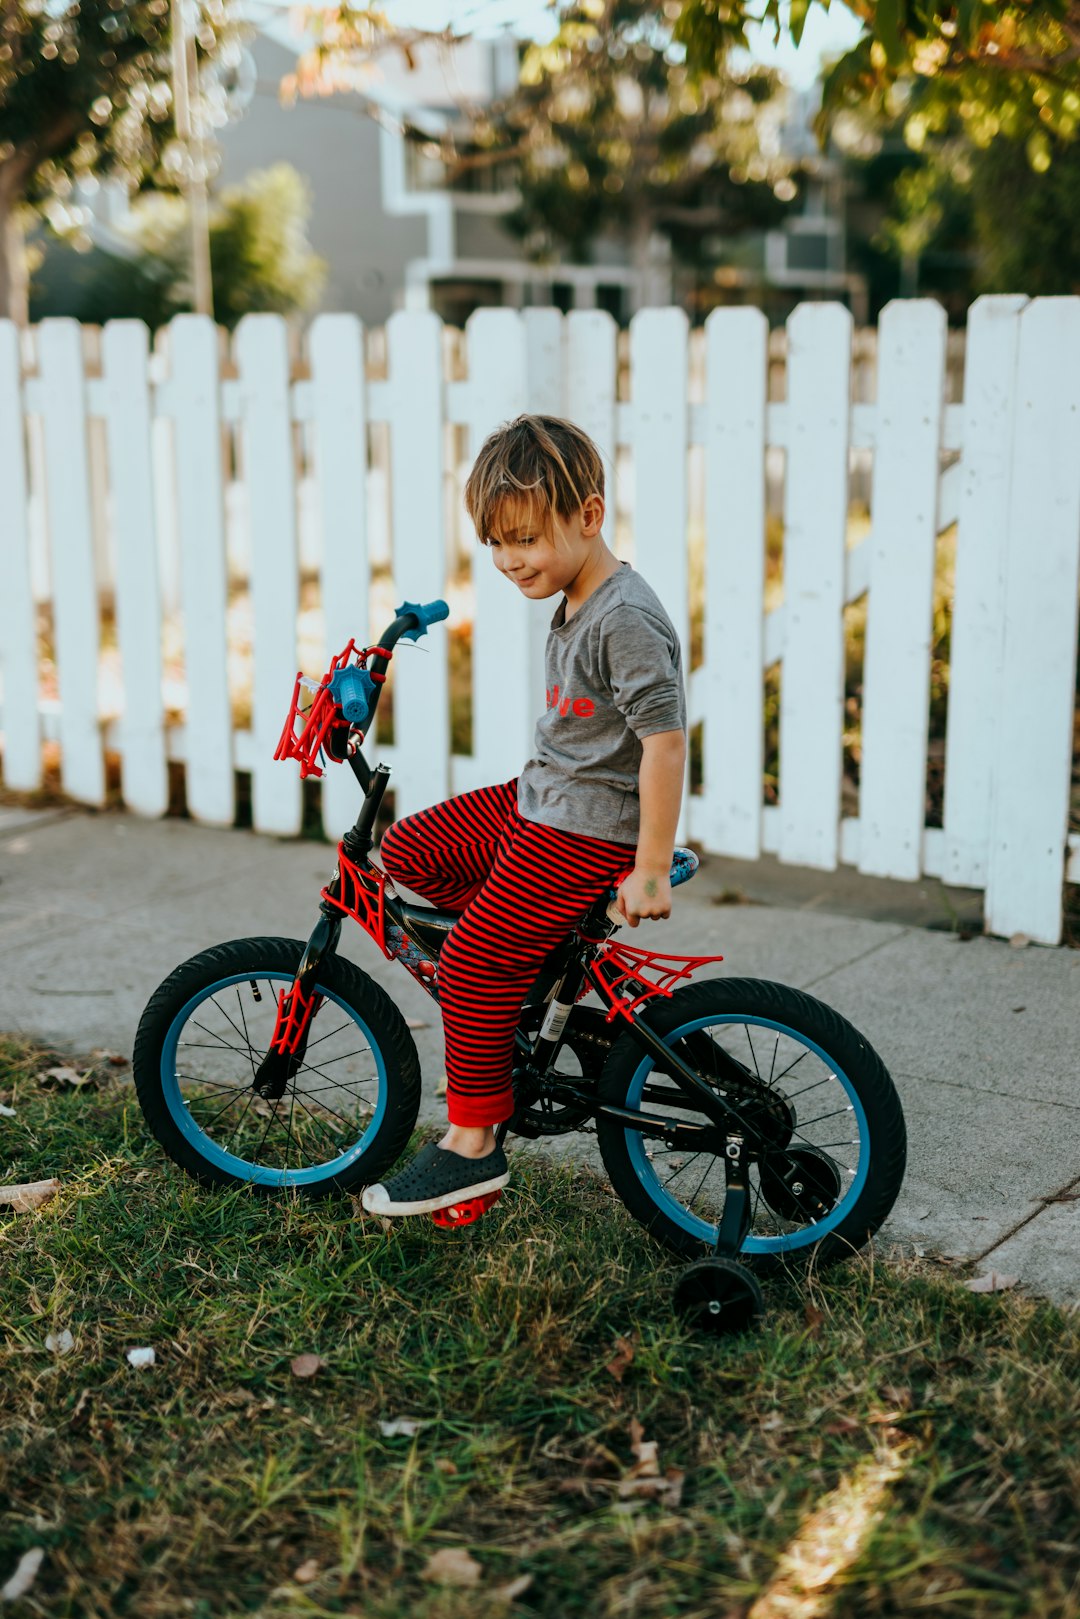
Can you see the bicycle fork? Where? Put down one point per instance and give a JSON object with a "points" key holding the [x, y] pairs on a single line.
{"points": [[297, 1008]]}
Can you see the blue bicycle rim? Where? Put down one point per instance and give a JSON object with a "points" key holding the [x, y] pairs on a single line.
{"points": [[207, 1148], [703, 1229]]}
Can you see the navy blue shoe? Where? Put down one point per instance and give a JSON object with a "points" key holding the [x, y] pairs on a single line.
{"points": [[437, 1179]]}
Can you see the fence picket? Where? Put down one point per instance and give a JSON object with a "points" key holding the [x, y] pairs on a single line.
{"points": [[903, 539], [1033, 762], [589, 389], [341, 455], [266, 443], [506, 702], [195, 399], [659, 435], [736, 376], [75, 606], [421, 691], [18, 653], [125, 348], [975, 645], [815, 524]]}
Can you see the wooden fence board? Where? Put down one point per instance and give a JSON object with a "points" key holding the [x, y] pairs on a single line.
{"points": [[506, 703], [900, 610], [76, 631], [127, 411], [977, 632], [266, 444], [1034, 755], [340, 455], [659, 437], [736, 375], [815, 523], [421, 679], [18, 650], [197, 439]]}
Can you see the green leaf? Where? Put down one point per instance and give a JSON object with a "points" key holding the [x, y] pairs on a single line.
{"points": [[888, 21], [969, 16], [800, 10]]}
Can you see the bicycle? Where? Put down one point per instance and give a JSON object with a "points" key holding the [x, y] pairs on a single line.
{"points": [[241, 1082]]}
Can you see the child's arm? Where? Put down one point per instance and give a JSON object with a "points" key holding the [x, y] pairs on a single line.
{"points": [[647, 891]]}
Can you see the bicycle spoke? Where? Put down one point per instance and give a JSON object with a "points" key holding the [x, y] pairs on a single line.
{"points": [[215, 1002], [772, 1065], [835, 1114], [243, 1116], [215, 1037], [247, 1037], [700, 1184], [329, 1036], [812, 1087], [322, 1128]]}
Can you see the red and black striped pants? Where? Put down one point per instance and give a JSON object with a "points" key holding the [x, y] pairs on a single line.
{"points": [[520, 887]]}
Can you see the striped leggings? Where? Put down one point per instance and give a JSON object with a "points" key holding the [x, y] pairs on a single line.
{"points": [[520, 887]]}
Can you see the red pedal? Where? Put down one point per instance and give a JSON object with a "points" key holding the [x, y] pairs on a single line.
{"points": [[464, 1213]]}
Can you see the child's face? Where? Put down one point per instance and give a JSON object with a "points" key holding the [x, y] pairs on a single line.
{"points": [[542, 559]]}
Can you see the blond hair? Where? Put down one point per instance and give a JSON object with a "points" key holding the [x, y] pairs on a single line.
{"points": [[544, 460]]}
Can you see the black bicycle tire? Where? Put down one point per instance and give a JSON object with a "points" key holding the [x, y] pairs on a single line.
{"points": [[840, 1039], [355, 987]]}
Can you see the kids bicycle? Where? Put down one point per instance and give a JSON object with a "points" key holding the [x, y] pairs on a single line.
{"points": [[743, 1123]]}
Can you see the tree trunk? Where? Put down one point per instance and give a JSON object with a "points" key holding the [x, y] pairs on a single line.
{"points": [[14, 281]]}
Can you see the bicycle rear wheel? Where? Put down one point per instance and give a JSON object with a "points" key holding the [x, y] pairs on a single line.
{"points": [[831, 1147], [344, 1117]]}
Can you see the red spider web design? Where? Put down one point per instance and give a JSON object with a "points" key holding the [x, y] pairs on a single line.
{"points": [[362, 895], [294, 1014], [617, 975]]}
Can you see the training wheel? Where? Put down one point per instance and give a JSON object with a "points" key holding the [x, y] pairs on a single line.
{"points": [[465, 1212], [718, 1296]]}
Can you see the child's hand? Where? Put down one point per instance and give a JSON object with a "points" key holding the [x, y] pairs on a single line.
{"points": [[645, 894]]}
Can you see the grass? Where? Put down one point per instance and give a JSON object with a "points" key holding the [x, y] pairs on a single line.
{"points": [[887, 1444]]}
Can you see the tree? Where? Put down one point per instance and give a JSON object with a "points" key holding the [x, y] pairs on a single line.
{"points": [[1002, 67], [261, 258], [608, 134], [85, 89]]}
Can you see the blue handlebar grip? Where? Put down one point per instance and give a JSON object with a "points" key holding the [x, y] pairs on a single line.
{"points": [[431, 613], [354, 691]]}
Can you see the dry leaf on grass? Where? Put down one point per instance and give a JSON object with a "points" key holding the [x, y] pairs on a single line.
{"points": [[814, 1318], [140, 1358], [667, 1490], [622, 1358], [992, 1282], [416, 1023], [515, 1588], [66, 1076], [443, 1464], [60, 1343], [452, 1566], [440, 1085], [1019, 941], [113, 1058], [29, 1196], [307, 1572], [307, 1365], [400, 1427], [24, 1576], [6, 1112]]}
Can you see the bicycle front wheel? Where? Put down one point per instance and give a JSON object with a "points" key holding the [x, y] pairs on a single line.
{"points": [[345, 1115], [826, 1143]]}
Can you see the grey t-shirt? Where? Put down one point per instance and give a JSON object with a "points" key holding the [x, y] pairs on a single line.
{"points": [[614, 675]]}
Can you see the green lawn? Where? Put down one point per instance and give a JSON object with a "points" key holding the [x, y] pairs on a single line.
{"points": [[888, 1443]]}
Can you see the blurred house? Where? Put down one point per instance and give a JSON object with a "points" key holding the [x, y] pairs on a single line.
{"points": [[396, 234]]}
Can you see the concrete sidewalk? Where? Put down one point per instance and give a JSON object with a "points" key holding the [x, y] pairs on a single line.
{"points": [[981, 1039]]}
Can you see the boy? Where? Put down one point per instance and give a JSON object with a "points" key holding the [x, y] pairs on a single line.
{"points": [[523, 861]]}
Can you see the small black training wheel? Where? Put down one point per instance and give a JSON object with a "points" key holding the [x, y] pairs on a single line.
{"points": [[719, 1296], [807, 1187]]}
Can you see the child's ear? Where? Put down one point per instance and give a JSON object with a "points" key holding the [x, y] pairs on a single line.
{"points": [[592, 514]]}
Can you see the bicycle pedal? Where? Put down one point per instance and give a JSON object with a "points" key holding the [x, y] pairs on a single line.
{"points": [[465, 1212]]}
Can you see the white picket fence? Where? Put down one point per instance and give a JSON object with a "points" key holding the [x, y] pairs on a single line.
{"points": [[125, 477]]}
